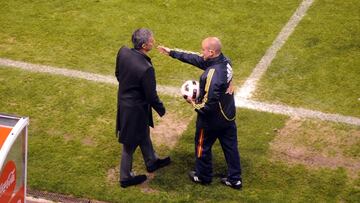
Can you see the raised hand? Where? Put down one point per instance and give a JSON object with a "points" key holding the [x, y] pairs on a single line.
{"points": [[164, 50]]}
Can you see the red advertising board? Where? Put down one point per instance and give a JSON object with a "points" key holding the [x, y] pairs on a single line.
{"points": [[13, 158]]}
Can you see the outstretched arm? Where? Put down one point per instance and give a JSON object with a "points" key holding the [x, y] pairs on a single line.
{"points": [[184, 56]]}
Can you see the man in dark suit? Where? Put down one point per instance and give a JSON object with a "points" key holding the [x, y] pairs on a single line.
{"points": [[137, 97]]}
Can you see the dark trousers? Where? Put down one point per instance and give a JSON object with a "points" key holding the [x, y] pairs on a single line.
{"points": [[204, 139], [147, 151]]}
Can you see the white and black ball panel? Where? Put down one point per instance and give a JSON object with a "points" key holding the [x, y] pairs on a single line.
{"points": [[190, 89]]}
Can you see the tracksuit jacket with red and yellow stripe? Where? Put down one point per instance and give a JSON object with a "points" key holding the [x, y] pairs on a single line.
{"points": [[216, 109]]}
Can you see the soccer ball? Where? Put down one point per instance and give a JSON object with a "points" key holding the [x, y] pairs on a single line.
{"points": [[190, 89]]}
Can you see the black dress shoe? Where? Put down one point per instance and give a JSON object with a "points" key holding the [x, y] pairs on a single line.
{"points": [[196, 179], [133, 181], [159, 164], [234, 184]]}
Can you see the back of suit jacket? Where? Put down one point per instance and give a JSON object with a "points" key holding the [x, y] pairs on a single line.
{"points": [[136, 95]]}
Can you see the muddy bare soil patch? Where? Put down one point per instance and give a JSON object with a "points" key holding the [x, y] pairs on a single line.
{"points": [[169, 130], [318, 144]]}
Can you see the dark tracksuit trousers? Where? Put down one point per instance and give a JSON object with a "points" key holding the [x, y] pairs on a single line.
{"points": [[204, 140]]}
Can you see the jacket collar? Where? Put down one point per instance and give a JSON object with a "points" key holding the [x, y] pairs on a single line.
{"points": [[219, 59], [144, 55]]}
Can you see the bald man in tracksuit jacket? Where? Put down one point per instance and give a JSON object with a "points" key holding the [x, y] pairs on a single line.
{"points": [[216, 117]]}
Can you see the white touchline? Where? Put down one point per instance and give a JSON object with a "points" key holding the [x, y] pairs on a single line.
{"points": [[250, 84], [76, 74], [58, 71], [296, 112], [173, 91]]}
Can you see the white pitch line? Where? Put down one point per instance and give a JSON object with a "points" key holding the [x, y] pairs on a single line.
{"points": [[77, 74], [58, 71], [173, 91], [297, 112], [241, 97], [249, 86]]}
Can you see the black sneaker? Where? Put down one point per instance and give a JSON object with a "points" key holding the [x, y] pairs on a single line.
{"points": [[159, 164], [233, 184], [196, 179], [133, 181]]}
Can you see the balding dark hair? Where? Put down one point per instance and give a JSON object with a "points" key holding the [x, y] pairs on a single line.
{"points": [[141, 36]]}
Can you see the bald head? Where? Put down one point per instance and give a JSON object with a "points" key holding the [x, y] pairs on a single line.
{"points": [[211, 47], [213, 43]]}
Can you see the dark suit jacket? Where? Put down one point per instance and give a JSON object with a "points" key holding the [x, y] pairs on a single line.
{"points": [[136, 96]]}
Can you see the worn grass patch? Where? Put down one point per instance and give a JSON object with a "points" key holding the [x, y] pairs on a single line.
{"points": [[319, 144], [168, 131]]}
